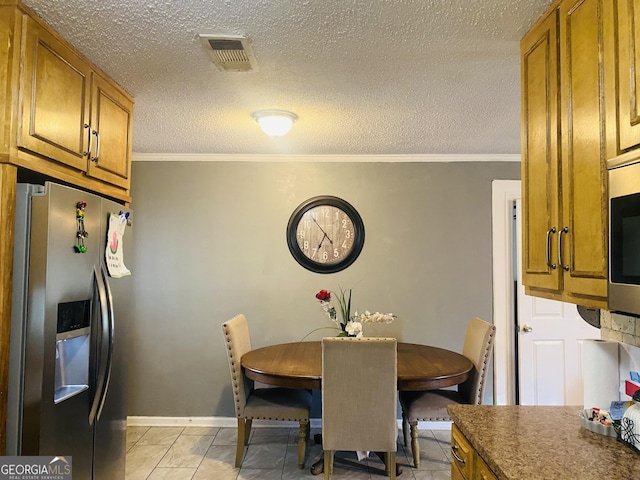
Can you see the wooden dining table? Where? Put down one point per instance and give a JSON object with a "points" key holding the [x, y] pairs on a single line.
{"points": [[299, 365]]}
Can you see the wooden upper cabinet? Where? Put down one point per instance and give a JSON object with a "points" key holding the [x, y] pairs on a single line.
{"points": [[54, 93], [622, 62], [111, 126], [583, 243], [563, 155], [540, 181], [9, 65], [60, 115]]}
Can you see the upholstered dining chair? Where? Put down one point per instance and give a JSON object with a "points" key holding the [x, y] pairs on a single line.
{"points": [[359, 398], [432, 405], [286, 404]]}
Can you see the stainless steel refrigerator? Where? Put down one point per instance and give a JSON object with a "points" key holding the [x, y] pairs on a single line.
{"points": [[67, 381]]}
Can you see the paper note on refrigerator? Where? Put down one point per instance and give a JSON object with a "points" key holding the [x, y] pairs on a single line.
{"points": [[114, 254]]}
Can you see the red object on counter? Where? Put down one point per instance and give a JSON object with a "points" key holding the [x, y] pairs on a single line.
{"points": [[630, 388]]}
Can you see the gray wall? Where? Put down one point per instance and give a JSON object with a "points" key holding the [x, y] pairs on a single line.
{"points": [[210, 243]]}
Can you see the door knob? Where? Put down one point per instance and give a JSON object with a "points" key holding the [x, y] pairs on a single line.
{"points": [[527, 328]]}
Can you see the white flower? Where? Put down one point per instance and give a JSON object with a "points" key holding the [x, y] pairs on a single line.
{"points": [[368, 317], [348, 324], [354, 328]]}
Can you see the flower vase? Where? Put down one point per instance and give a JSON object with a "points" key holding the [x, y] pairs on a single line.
{"points": [[351, 329], [345, 334]]}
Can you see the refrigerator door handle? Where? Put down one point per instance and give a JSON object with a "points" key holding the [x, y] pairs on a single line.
{"points": [[103, 352], [110, 337]]}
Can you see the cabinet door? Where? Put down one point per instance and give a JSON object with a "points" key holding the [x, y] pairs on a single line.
{"points": [[624, 17], [583, 237], [54, 90], [456, 474], [9, 63], [462, 453], [483, 472], [540, 190], [111, 119]]}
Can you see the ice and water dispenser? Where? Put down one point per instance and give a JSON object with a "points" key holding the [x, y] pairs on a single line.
{"points": [[72, 349]]}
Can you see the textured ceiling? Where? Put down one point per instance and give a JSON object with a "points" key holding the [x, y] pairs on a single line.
{"points": [[364, 76]]}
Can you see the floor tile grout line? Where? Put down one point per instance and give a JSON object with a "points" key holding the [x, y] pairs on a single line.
{"points": [[165, 453], [205, 454], [402, 449]]}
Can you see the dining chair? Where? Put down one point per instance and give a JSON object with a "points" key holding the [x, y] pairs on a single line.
{"points": [[359, 398], [432, 405], [285, 404]]}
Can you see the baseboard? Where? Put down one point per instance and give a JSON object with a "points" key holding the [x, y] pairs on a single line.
{"points": [[434, 425], [231, 422], [148, 421]]}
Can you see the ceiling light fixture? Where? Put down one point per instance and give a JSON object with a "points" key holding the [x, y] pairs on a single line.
{"points": [[275, 123]]}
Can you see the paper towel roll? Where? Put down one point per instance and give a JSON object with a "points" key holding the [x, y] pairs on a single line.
{"points": [[600, 373]]}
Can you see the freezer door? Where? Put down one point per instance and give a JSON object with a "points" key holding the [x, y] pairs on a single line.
{"points": [[18, 319], [58, 275]]}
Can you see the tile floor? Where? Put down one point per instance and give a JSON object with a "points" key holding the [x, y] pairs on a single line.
{"points": [[197, 453]]}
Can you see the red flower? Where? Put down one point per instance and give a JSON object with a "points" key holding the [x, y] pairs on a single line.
{"points": [[323, 295]]}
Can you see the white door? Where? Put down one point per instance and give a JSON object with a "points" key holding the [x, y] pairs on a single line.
{"points": [[549, 344]]}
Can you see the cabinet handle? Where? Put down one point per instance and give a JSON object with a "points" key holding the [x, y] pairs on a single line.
{"points": [[88, 152], [549, 232], [560, 255], [454, 449], [97, 155]]}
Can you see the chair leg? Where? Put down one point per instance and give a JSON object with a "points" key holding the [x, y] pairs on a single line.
{"points": [[328, 464], [405, 429], [390, 464], [247, 430], [302, 442], [241, 441], [415, 446]]}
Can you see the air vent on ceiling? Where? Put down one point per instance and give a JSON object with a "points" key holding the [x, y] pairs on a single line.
{"points": [[230, 53]]}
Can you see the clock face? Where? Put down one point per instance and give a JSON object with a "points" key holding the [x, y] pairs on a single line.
{"points": [[325, 234]]}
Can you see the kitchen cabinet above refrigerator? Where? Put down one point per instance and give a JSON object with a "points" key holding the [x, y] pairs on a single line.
{"points": [[70, 121]]}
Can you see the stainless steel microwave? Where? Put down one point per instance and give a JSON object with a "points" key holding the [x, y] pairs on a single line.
{"points": [[624, 236]]}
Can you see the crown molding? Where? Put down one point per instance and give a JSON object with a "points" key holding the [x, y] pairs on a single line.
{"points": [[266, 158]]}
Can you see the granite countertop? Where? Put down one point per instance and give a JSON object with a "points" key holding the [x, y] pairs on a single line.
{"points": [[523, 442]]}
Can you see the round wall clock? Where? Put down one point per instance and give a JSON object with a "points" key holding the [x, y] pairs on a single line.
{"points": [[325, 234]]}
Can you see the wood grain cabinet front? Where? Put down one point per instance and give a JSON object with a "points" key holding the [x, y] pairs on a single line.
{"points": [[462, 455], [111, 128], [456, 474], [565, 230], [61, 116], [71, 114], [54, 99], [483, 472], [540, 144], [466, 464], [622, 70]]}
